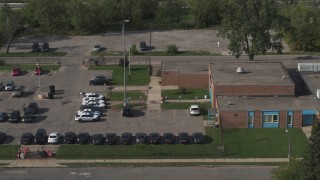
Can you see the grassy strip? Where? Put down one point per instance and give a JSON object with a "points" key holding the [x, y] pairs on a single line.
{"points": [[8, 151], [26, 67], [32, 54], [263, 143], [157, 53], [134, 95], [188, 94], [139, 74], [171, 164], [143, 151]]}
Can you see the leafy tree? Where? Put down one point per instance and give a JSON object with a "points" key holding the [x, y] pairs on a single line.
{"points": [[247, 25], [289, 171], [171, 12], [303, 31], [10, 22], [205, 12]]}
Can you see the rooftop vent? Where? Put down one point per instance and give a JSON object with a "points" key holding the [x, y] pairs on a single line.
{"points": [[240, 70]]}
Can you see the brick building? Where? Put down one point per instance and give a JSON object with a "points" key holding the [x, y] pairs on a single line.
{"points": [[258, 95]]}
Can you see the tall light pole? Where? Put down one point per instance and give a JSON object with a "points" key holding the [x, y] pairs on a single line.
{"points": [[289, 146], [38, 64], [124, 63], [218, 44]]}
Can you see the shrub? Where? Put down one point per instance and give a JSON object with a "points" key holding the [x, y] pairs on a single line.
{"points": [[2, 62], [134, 50], [182, 90], [172, 49]]}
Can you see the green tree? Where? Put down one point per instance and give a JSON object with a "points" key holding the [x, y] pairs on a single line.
{"points": [[205, 12], [171, 12], [303, 31], [288, 171], [247, 25], [10, 23]]}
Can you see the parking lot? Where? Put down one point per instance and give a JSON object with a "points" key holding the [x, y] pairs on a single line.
{"points": [[58, 114]]}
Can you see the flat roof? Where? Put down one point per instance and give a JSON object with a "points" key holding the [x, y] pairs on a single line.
{"points": [[312, 79], [267, 103], [195, 66], [256, 73]]}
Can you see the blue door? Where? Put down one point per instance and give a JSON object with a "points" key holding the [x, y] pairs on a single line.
{"points": [[308, 117]]}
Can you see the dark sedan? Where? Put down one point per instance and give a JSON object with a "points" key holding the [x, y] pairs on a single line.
{"points": [[26, 138], [168, 138], [154, 138], [184, 138], [141, 138], [126, 138], [111, 138], [82, 138], [97, 139], [15, 116], [41, 136], [198, 138], [2, 136], [70, 137]]}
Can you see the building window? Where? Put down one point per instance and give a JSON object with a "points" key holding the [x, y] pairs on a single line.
{"points": [[270, 117], [250, 117], [289, 117]]}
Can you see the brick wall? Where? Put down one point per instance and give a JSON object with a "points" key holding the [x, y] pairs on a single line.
{"points": [[257, 119], [254, 90], [283, 119], [297, 119], [234, 119], [195, 81]]}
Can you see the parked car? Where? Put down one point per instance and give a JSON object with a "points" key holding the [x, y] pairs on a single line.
{"points": [[35, 47], [15, 116], [97, 139], [94, 104], [99, 81], [2, 136], [194, 110], [28, 116], [96, 112], [9, 86], [16, 71], [141, 138], [17, 92], [26, 138], [154, 138], [87, 116], [93, 95], [143, 46], [111, 138], [198, 138], [168, 138], [97, 48], [101, 77], [1, 86], [54, 138], [82, 107], [70, 138], [41, 136], [126, 138], [82, 138], [184, 138], [127, 111], [38, 70], [45, 47], [3, 116], [32, 106], [86, 100]]}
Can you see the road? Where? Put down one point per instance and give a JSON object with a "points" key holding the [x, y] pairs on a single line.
{"points": [[139, 173]]}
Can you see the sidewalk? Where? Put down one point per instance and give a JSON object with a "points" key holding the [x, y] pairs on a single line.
{"points": [[59, 162]]}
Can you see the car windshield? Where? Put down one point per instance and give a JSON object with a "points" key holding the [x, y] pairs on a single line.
{"points": [[53, 137], [140, 136], [168, 136], [198, 136], [194, 109], [97, 137]]}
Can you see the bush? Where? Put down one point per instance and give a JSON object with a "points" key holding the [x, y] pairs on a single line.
{"points": [[134, 50], [2, 62], [182, 90], [172, 49]]}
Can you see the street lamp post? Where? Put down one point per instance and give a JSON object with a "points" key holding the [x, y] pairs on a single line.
{"points": [[218, 44], [38, 65], [129, 61], [124, 63], [289, 146]]}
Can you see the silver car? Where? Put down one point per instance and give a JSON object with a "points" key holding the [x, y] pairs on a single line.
{"points": [[17, 92], [10, 86]]}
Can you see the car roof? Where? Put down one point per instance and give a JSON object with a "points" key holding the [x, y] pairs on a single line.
{"points": [[54, 134], [194, 106]]}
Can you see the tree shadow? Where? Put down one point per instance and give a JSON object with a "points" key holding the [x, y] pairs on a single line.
{"points": [[9, 139], [39, 118]]}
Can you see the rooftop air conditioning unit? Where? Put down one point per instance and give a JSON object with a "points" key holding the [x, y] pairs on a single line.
{"points": [[240, 70], [318, 93]]}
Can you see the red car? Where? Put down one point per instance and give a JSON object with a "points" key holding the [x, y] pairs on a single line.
{"points": [[16, 71], [38, 71]]}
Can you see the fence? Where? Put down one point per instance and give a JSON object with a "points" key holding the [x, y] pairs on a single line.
{"points": [[135, 60], [32, 60]]}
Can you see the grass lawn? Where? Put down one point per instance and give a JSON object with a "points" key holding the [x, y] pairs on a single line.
{"points": [[139, 74], [144, 151], [32, 54], [25, 67], [189, 94], [8, 151], [134, 95], [263, 143]]}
